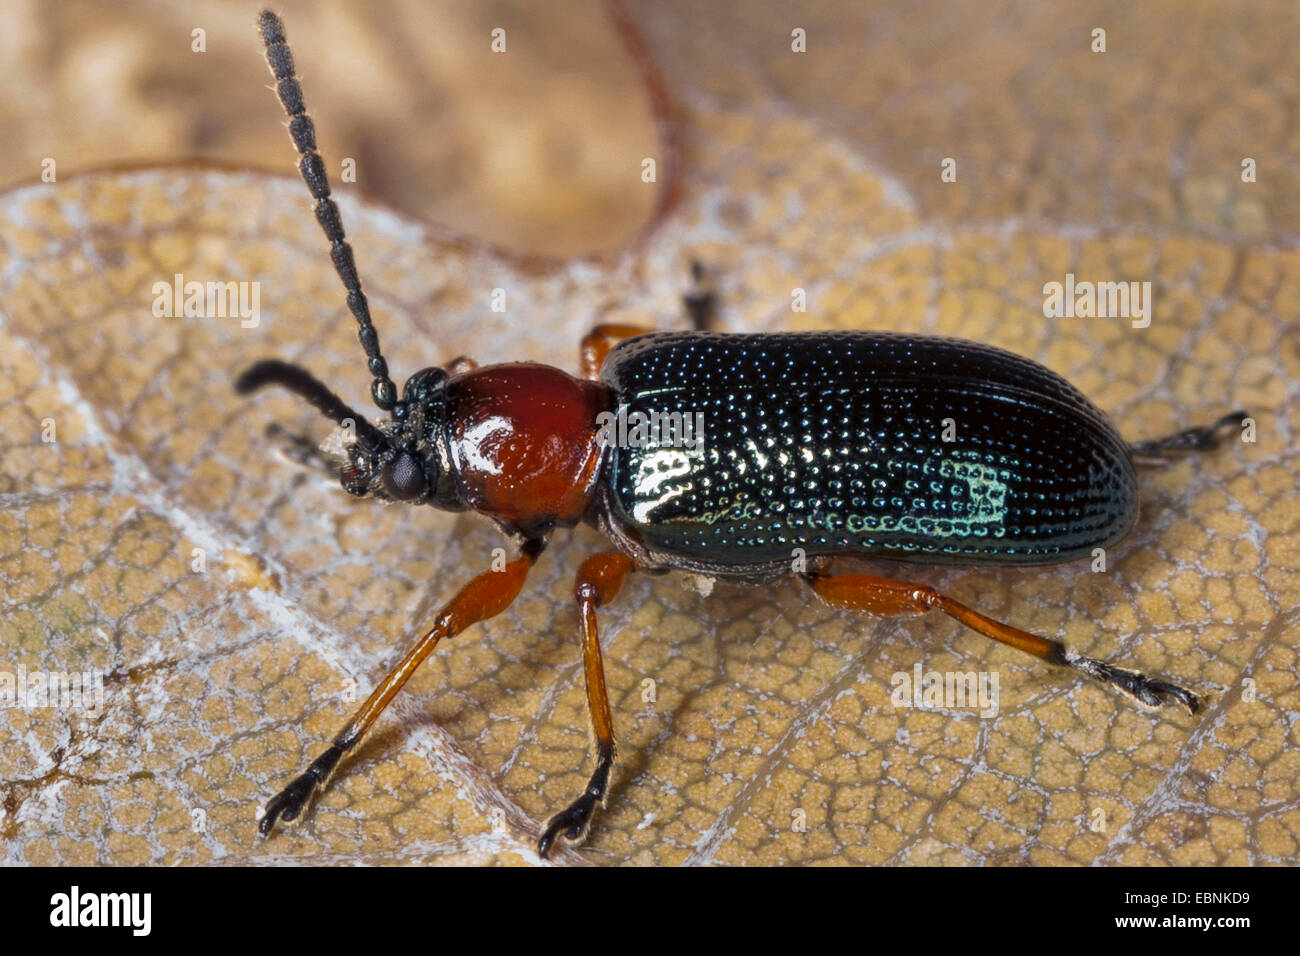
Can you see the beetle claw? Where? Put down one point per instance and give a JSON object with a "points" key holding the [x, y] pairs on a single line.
{"points": [[571, 824], [290, 802], [1168, 693], [287, 804]]}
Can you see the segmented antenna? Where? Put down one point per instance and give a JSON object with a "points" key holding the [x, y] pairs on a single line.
{"points": [[303, 383], [312, 167]]}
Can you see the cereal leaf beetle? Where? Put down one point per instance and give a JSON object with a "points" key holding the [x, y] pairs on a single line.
{"points": [[820, 444]]}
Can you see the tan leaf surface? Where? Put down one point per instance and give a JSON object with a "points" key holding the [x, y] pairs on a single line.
{"points": [[818, 172], [529, 150]]}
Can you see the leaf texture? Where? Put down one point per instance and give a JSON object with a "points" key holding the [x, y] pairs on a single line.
{"points": [[816, 171]]}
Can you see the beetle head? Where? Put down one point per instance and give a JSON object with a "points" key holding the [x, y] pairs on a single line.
{"points": [[405, 458], [411, 461]]}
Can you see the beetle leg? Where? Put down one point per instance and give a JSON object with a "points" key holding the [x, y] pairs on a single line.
{"points": [[485, 596], [597, 343], [598, 582], [301, 450], [861, 592], [460, 365], [1205, 438], [700, 301]]}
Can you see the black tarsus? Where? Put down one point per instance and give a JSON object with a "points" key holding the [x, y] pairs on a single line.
{"points": [[312, 168], [1152, 693], [1204, 438], [302, 383], [573, 822], [290, 802]]}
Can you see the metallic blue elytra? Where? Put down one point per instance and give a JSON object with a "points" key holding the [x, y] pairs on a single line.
{"points": [[902, 446]]}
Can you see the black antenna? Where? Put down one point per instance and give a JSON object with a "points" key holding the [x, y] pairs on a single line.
{"points": [[312, 167], [301, 382]]}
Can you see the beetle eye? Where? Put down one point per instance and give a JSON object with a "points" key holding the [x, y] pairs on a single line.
{"points": [[403, 477]]}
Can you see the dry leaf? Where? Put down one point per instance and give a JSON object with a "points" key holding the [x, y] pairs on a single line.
{"points": [[529, 150], [223, 683]]}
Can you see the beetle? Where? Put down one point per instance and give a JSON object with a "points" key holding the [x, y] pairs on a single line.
{"points": [[820, 445]]}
